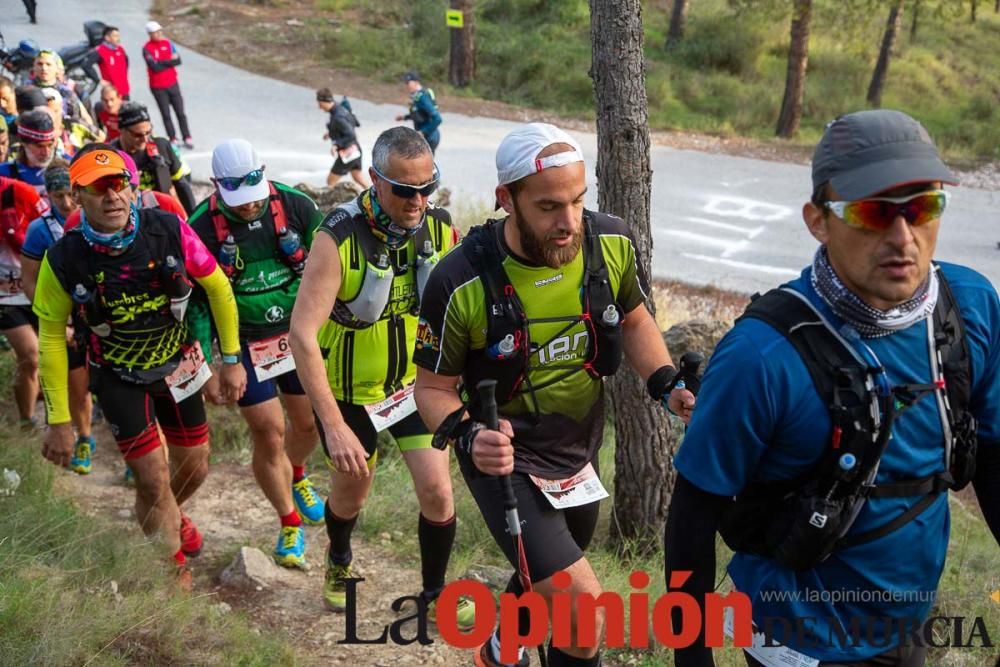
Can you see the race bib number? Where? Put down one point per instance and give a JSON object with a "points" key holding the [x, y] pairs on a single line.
{"points": [[271, 357], [190, 375], [349, 154], [393, 409], [582, 488], [771, 655]]}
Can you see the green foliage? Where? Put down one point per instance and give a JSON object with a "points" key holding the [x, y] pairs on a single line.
{"points": [[726, 76], [725, 43], [75, 590]]}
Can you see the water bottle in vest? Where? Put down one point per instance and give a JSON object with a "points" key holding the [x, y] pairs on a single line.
{"points": [[503, 349], [227, 256], [291, 246], [178, 287], [610, 316], [90, 310]]}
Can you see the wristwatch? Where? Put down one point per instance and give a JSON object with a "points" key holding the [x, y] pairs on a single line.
{"points": [[231, 358]]}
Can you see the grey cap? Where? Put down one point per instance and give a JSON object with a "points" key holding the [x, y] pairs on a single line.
{"points": [[867, 152]]}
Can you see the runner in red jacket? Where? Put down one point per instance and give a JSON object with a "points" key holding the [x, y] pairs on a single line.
{"points": [[162, 61], [114, 61]]}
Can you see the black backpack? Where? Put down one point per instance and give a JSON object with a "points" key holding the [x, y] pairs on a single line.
{"points": [[800, 522]]}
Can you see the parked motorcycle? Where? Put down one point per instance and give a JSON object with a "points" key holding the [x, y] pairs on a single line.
{"points": [[80, 61]]}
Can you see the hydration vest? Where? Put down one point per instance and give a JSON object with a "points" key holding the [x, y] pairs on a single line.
{"points": [[508, 343], [131, 297], [802, 521], [381, 266], [278, 219]]}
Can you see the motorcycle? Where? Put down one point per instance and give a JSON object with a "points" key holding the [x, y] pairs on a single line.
{"points": [[80, 62], [19, 60]]}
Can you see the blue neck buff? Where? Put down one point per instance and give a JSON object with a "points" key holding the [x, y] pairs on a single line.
{"points": [[103, 242]]}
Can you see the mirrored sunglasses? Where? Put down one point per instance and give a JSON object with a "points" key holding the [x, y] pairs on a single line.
{"points": [[878, 213]]}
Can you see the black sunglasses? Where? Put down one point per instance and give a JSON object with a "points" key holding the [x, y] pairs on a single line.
{"points": [[405, 191]]}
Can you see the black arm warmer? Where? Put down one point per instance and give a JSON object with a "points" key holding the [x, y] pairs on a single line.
{"points": [[689, 544], [987, 485]]}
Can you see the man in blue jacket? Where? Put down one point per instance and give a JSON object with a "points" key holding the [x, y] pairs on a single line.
{"points": [[423, 110], [829, 429]]}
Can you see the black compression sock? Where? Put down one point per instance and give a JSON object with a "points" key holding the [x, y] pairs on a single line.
{"points": [[436, 539], [339, 531]]}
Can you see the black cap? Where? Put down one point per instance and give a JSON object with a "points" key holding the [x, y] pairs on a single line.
{"points": [[867, 152], [411, 76], [29, 97], [132, 113], [324, 95]]}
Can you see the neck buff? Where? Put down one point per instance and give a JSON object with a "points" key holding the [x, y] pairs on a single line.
{"points": [[870, 322], [382, 225], [116, 241]]}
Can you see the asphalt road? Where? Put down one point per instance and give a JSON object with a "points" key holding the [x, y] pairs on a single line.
{"points": [[720, 220]]}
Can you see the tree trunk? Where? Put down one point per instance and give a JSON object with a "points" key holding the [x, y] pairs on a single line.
{"points": [[462, 68], [678, 16], [885, 53], [916, 17], [974, 4], [644, 443], [795, 78]]}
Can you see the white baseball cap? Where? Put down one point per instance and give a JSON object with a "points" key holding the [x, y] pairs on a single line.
{"points": [[517, 155], [153, 26], [235, 159]]}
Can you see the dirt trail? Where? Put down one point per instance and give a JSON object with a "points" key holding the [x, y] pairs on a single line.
{"points": [[231, 512]]}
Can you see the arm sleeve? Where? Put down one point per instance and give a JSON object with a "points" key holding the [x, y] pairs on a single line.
{"points": [[53, 305], [198, 261], [689, 545], [223, 305]]}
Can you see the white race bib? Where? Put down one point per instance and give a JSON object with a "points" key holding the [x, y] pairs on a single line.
{"points": [[393, 409], [582, 488], [190, 375], [271, 357]]}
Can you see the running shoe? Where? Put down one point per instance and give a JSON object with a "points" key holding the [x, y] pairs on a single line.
{"points": [[465, 612], [334, 588], [190, 537], [482, 657], [188, 142], [80, 463], [307, 502], [291, 548]]}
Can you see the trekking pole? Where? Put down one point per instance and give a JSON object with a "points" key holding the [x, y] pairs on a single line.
{"points": [[488, 402], [687, 372]]}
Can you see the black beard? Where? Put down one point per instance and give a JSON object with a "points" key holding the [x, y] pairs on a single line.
{"points": [[537, 249]]}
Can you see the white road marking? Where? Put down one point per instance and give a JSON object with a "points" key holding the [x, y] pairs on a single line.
{"points": [[748, 266]]}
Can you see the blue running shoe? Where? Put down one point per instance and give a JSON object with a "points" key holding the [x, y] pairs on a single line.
{"points": [[308, 503], [80, 463], [291, 548]]}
